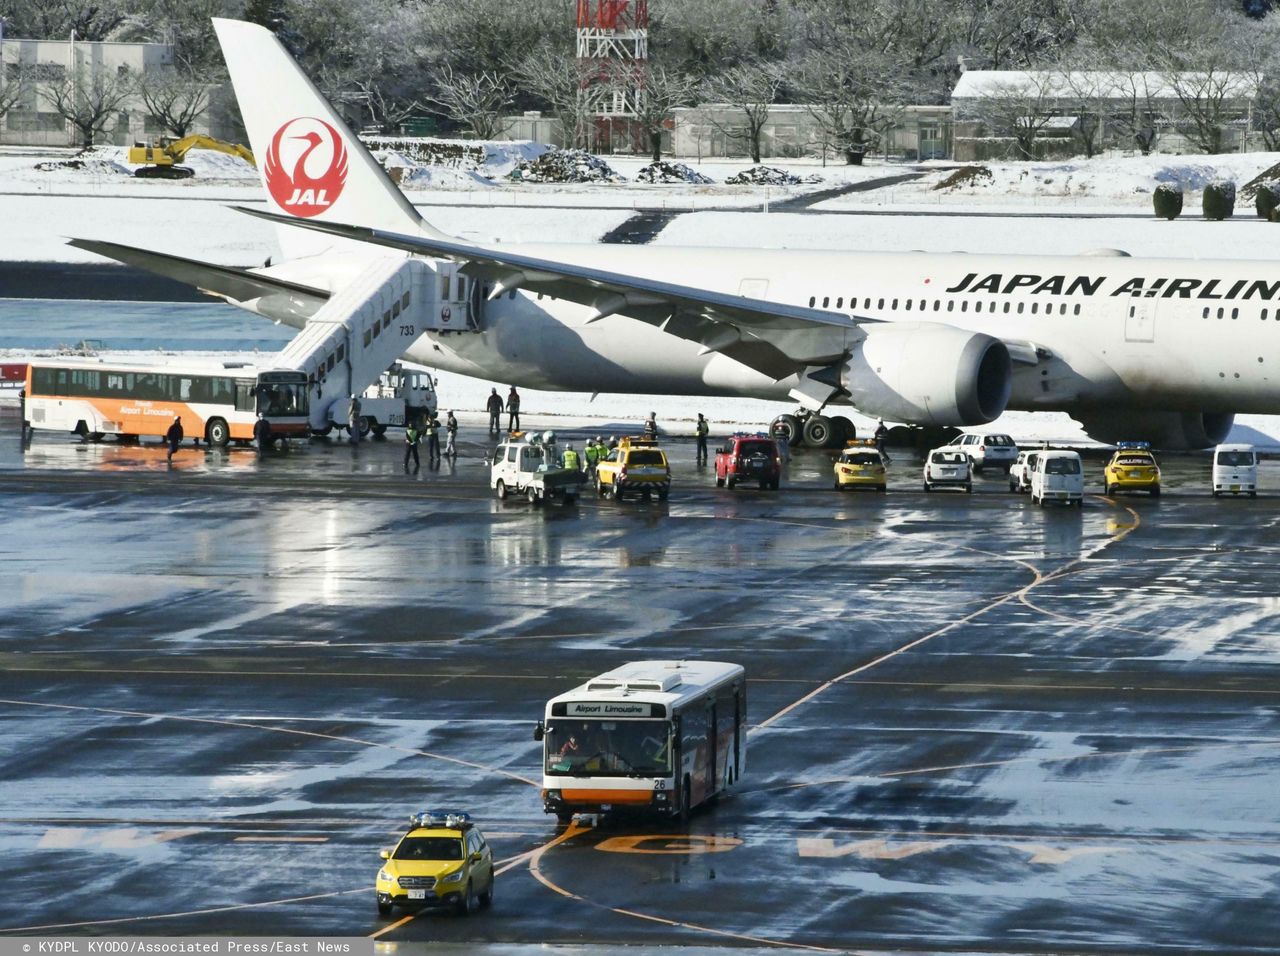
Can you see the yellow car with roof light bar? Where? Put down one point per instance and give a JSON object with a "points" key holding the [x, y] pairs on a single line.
{"points": [[636, 466], [443, 860], [1132, 468], [861, 465]]}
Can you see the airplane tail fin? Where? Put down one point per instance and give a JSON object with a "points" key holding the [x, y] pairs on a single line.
{"points": [[312, 165]]}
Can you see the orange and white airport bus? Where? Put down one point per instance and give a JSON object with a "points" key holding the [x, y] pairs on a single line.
{"points": [[218, 401], [660, 736]]}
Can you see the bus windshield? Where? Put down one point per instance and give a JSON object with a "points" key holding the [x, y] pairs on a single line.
{"points": [[281, 399], [620, 747]]}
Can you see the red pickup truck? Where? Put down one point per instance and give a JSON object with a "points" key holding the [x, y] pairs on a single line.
{"points": [[748, 458]]}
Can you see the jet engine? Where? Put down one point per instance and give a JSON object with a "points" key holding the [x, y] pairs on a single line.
{"points": [[929, 374], [1172, 431]]}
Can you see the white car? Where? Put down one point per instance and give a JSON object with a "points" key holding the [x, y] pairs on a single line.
{"points": [[1058, 476], [1020, 471], [1235, 470], [987, 450], [948, 467]]}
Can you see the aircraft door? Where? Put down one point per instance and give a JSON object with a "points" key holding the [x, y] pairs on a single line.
{"points": [[1140, 321], [754, 288]]}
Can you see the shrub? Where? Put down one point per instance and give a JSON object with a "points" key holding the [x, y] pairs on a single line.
{"points": [[1168, 200], [1267, 199], [1219, 200]]}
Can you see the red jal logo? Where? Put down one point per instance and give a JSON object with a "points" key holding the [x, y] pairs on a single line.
{"points": [[306, 166]]}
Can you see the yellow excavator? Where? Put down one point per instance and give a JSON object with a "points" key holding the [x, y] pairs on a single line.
{"points": [[163, 158]]}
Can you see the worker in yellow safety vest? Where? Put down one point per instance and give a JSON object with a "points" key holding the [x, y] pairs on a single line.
{"points": [[571, 458], [592, 455]]}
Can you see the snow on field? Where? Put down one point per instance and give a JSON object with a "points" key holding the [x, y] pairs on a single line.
{"points": [[1104, 182], [1243, 238]]}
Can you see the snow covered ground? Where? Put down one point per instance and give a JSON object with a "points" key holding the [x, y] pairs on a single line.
{"points": [[1012, 211]]}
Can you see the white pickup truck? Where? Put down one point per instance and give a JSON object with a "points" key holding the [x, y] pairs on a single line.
{"points": [[530, 466]]}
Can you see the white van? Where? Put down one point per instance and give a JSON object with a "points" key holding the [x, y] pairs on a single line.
{"points": [[1235, 470], [1058, 476]]}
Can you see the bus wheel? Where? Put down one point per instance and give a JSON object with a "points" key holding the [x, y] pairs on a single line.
{"points": [[322, 432], [217, 433], [379, 430], [564, 817], [365, 425]]}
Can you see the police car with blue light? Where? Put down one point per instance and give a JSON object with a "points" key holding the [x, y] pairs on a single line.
{"points": [[441, 861]]}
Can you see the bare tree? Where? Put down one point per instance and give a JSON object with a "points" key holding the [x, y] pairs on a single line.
{"points": [[1210, 99], [175, 98], [50, 19], [1017, 104], [89, 96], [853, 99], [563, 83], [1138, 115], [474, 101], [664, 92], [748, 90], [16, 84], [1086, 87]]}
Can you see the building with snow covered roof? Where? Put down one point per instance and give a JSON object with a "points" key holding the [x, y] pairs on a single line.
{"points": [[1008, 114]]}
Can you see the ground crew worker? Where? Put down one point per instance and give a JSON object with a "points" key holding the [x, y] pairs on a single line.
{"points": [[513, 410], [651, 426], [262, 433], [353, 420], [494, 405], [451, 435], [701, 430], [881, 435], [411, 439], [590, 455], [433, 440], [571, 458], [174, 436]]}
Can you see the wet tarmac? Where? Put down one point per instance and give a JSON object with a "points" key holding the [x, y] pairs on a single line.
{"points": [[977, 725]]}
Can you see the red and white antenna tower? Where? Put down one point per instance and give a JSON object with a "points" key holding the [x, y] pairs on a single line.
{"points": [[613, 45]]}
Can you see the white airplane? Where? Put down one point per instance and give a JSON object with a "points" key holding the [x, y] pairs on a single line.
{"points": [[1166, 350]]}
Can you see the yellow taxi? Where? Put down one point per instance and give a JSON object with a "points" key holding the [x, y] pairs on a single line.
{"points": [[860, 465], [636, 466], [443, 860], [1132, 468]]}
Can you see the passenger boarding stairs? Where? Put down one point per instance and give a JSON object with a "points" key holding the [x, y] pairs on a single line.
{"points": [[366, 326]]}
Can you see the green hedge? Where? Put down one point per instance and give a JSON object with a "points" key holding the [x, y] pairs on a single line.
{"points": [[1168, 200], [1219, 200]]}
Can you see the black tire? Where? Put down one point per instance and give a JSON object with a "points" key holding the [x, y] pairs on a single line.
{"points": [[378, 430], [731, 483], [322, 432], [844, 428], [1106, 488], [763, 484], [662, 495], [928, 487], [719, 482], [216, 433], [838, 486], [968, 489], [820, 432], [364, 424], [1155, 492], [531, 496], [883, 489], [570, 499], [773, 485], [788, 426], [1217, 494], [486, 898], [1253, 494], [466, 901], [600, 489], [501, 490], [564, 817], [616, 492], [96, 437], [384, 909]]}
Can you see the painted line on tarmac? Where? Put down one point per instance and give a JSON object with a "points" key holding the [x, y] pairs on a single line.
{"points": [[244, 725], [535, 868], [234, 907]]}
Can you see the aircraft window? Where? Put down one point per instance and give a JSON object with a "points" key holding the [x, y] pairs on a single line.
{"points": [[1006, 308], [812, 300], [1220, 312], [1235, 313], [1077, 310], [1019, 308], [964, 306], [1264, 315], [826, 301], [880, 304], [951, 305], [895, 304], [937, 306], [1063, 310], [977, 307], [840, 302], [908, 305], [1034, 307]]}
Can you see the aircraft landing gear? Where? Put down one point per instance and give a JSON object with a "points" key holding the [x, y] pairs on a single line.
{"points": [[806, 429]]}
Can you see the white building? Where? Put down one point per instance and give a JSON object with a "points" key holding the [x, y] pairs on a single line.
{"points": [[48, 63]]}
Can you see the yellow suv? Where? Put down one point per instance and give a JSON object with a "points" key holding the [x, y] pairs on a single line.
{"points": [[441, 861], [637, 465], [1132, 468], [861, 465]]}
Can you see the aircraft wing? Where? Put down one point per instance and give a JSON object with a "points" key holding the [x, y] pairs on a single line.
{"points": [[773, 338], [238, 284]]}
